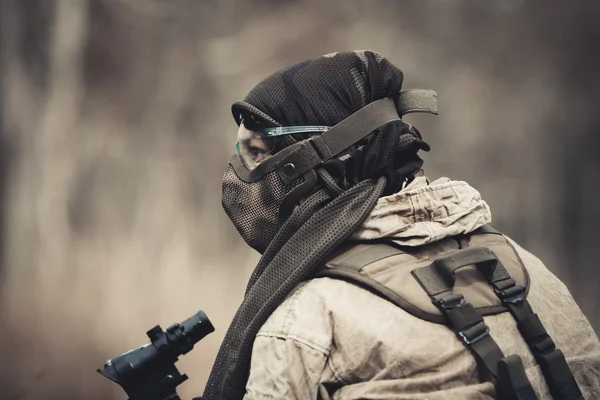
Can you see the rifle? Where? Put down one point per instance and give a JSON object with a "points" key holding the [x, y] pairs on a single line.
{"points": [[148, 372]]}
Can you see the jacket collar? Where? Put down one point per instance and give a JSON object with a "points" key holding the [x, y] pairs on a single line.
{"points": [[425, 212]]}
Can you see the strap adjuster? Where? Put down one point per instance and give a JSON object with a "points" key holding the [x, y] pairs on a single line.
{"points": [[474, 333], [514, 294], [543, 345], [450, 301]]}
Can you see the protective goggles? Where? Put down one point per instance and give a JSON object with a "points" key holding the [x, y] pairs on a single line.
{"points": [[254, 146]]}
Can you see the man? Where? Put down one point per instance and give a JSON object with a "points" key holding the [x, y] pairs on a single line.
{"points": [[358, 294]]}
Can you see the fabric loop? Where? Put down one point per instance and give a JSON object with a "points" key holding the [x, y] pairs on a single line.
{"points": [[417, 100], [560, 380], [515, 385], [474, 333], [464, 317], [543, 346]]}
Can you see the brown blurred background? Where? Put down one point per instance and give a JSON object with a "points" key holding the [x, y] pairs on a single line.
{"points": [[115, 131]]}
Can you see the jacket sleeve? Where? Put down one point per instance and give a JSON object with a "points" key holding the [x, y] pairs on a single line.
{"points": [[284, 367], [291, 350]]}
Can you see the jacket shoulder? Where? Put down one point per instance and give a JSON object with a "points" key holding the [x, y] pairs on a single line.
{"points": [[304, 316]]}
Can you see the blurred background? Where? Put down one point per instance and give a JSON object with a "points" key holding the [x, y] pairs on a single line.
{"points": [[115, 130]]}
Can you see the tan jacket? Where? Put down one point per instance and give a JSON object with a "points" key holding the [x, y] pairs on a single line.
{"points": [[332, 339]]}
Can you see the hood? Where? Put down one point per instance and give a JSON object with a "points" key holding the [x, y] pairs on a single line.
{"points": [[425, 212]]}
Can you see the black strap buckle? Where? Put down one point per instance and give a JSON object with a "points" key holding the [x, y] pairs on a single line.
{"points": [[510, 293], [475, 333], [450, 301]]}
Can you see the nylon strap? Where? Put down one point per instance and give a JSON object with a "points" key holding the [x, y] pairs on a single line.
{"points": [[465, 321], [484, 229], [371, 254], [343, 135], [551, 360], [355, 128], [511, 371], [438, 277], [417, 100], [437, 280], [468, 325]]}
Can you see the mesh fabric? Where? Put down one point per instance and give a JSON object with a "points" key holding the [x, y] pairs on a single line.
{"points": [[322, 91], [325, 91], [292, 262], [255, 220]]}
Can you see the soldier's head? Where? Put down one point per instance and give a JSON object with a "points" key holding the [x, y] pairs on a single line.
{"points": [[328, 122]]}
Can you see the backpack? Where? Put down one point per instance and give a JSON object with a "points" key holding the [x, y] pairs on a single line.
{"points": [[493, 280]]}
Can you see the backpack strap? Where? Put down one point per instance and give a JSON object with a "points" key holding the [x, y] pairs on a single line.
{"points": [[551, 360], [484, 229], [437, 280]]}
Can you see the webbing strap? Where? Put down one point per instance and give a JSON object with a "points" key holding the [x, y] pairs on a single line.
{"points": [[439, 275], [469, 326], [323, 147], [510, 371], [551, 360], [355, 128], [371, 254], [372, 116], [484, 229], [417, 100], [437, 280]]}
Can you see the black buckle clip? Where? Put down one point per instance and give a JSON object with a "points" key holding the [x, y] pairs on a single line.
{"points": [[474, 333], [450, 301], [514, 294]]}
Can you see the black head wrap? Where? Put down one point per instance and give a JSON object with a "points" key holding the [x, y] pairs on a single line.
{"points": [[326, 90]]}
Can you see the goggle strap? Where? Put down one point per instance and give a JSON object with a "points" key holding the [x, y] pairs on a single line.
{"points": [[360, 124], [355, 128]]}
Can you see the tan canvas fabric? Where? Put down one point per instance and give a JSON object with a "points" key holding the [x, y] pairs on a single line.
{"points": [[395, 271], [331, 339]]}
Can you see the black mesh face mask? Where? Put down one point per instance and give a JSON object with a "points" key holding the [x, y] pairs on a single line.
{"points": [[253, 206], [257, 199]]}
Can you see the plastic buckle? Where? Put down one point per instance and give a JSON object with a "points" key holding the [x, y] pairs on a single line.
{"points": [[450, 302], [464, 334], [514, 294]]}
